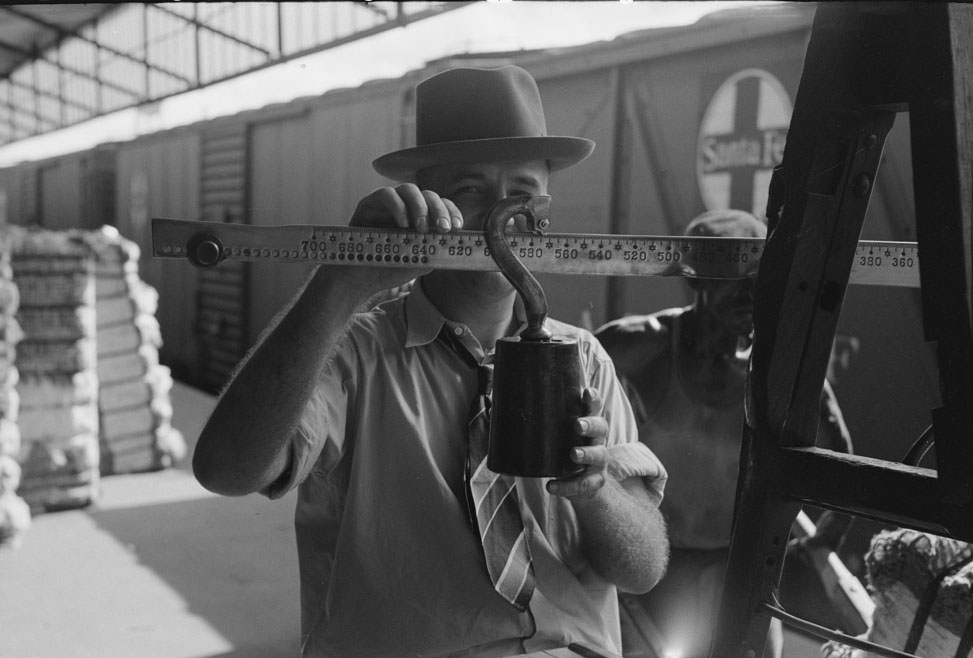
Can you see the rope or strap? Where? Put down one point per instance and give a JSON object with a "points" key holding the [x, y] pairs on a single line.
{"points": [[926, 602], [966, 641], [827, 634]]}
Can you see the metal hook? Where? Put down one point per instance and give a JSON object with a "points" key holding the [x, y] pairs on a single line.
{"points": [[537, 211]]}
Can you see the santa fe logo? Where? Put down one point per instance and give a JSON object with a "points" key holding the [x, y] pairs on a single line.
{"points": [[741, 139]]}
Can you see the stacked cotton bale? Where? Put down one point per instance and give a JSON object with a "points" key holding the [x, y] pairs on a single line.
{"points": [[56, 361], [133, 397], [14, 511], [910, 575]]}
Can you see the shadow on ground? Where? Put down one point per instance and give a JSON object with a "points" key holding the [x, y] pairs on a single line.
{"points": [[232, 560]]}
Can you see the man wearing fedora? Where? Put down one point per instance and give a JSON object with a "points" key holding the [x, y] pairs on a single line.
{"points": [[368, 415]]}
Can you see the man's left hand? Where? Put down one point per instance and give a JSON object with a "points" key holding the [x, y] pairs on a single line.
{"points": [[592, 454]]}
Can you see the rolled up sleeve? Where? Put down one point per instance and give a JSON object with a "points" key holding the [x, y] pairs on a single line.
{"points": [[319, 439], [629, 460]]}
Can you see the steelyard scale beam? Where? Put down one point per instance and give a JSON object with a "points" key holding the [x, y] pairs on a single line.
{"points": [[207, 244]]}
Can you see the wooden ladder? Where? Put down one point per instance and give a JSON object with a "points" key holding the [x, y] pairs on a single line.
{"points": [[865, 63]]}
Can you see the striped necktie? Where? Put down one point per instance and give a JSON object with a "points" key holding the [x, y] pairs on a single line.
{"points": [[492, 500]]}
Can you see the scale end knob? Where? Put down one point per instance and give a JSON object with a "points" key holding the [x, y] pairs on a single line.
{"points": [[204, 250]]}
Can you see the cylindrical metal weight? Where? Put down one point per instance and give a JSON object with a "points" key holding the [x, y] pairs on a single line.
{"points": [[537, 388]]}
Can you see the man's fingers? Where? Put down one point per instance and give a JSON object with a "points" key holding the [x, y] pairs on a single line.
{"points": [[406, 206], [455, 216], [416, 207], [583, 486], [438, 213], [383, 207], [590, 480], [396, 206], [594, 455], [594, 428], [591, 402], [518, 223]]}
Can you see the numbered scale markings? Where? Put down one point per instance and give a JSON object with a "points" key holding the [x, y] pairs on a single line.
{"points": [[206, 244]]}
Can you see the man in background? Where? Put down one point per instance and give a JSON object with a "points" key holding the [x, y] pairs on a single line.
{"points": [[684, 370]]}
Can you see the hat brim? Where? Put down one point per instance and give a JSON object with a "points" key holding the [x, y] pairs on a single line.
{"points": [[560, 152]]}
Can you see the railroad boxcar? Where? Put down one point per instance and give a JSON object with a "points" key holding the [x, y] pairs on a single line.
{"points": [[686, 119], [76, 190]]}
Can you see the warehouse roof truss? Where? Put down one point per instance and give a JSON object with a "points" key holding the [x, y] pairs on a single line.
{"points": [[64, 64]]}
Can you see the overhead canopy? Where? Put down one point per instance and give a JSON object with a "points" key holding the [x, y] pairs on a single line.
{"points": [[61, 64], [28, 30]]}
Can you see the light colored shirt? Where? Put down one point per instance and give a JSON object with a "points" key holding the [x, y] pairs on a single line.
{"points": [[389, 565]]}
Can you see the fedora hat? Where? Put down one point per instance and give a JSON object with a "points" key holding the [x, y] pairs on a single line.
{"points": [[467, 115]]}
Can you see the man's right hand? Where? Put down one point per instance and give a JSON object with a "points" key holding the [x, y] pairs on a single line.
{"points": [[403, 206], [406, 206]]}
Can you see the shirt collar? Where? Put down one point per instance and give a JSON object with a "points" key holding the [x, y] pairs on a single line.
{"points": [[424, 321]]}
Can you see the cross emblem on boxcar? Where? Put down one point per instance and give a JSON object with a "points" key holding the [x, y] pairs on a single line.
{"points": [[741, 139]]}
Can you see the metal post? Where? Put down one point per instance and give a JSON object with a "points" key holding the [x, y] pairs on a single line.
{"points": [[199, 77], [145, 48], [62, 119], [280, 29], [37, 95], [618, 197], [13, 111], [99, 88]]}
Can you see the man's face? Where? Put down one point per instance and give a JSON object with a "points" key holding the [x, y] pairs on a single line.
{"points": [[475, 188], [731, 302]]}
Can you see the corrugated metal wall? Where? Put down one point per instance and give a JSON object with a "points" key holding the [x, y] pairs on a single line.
{"points": [[312, 168], [159, 176], [581, 105], [19, 190], [281, 181], [98, 197], [59, 192], [221, 298], [72, 191], [665, 100]]}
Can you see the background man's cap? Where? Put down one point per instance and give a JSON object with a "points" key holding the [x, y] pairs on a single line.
{"points": [[470, 115], [726, 224]]}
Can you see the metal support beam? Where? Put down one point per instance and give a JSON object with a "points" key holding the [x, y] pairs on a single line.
{"points": [[36, 95], [372, 31], [46, 94], [199, 25], [94, 77], [63, 34], [147, 83], [13, 115], [196, 29], [118, 86], [62, 119], [378, 10], [280, 30]]}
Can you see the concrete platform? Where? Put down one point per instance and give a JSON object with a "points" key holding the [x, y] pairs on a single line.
{"points": [[157, 568]]}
